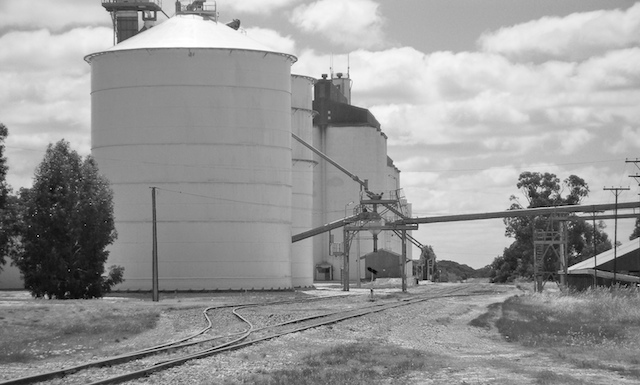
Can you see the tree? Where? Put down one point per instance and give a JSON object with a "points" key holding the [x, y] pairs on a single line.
{"points": [[544, 190], [636, 231], [6, 208], [10, 225], [67, 225]]}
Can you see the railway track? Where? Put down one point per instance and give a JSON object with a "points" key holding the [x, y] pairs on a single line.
{"points": [[245, 324]]}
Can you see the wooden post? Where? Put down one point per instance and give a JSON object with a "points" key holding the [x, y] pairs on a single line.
{"points": [[345, 269], [154, 251], [403, 261]]}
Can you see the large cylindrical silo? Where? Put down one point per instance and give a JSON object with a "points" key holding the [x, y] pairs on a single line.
{"points": [[302, 178], [203, 113]]}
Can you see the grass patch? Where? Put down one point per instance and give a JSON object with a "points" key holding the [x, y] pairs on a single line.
{"points": [[486, 319], [593, 329], [588, 318], [42, 329], [353, 364], [547, 377]]}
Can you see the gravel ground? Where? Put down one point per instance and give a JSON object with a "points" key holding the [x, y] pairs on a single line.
{"points": [[461, 354]]}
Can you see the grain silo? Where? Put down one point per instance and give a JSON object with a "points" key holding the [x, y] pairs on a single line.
{"points": [[352, 137], [302, 178], [203, 113]]}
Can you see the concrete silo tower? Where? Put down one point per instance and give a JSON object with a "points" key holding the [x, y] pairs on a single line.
{"points": [[203, 113]]}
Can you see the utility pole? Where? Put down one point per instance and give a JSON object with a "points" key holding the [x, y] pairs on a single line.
{"points": [[403, 261], [595, 253], [154, 250], [616, 191], [345, 256]]}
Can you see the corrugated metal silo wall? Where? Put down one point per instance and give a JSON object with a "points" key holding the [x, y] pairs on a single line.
{"points": [[211, 128], [302, 178]]}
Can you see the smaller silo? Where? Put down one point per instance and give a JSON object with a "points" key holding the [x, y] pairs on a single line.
{"points": [[302, 179]]}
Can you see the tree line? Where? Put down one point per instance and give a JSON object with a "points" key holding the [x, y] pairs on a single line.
{"points": [[516, 261], [546, 190], [57, 231]]}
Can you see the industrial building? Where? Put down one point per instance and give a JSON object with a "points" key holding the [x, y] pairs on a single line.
{"points": [[614, 266], [192, 123]]}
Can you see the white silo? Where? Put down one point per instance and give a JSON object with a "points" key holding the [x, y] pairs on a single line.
{"points": [[302, 178], [203, 113]]}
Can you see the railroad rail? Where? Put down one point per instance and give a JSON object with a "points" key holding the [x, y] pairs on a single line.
{"points": [[243, 333]]}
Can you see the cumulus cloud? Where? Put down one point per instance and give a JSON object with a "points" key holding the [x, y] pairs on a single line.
{"points": [[253, 6], [617, 69], [575, 37], [348, 23], [42, 50], [629, 140], [480, 105], [45, 93], [56, 15], [574, 140], [273, 40]]}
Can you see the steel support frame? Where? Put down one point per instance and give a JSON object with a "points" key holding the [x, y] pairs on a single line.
{"points": [[349, 232], [545, 240]]}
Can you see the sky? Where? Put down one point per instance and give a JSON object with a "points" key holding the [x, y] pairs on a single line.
{"points": [[469, 92]]}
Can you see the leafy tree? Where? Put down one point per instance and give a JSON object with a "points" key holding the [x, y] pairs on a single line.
{"points": [[4, 187], [636, 231], [451, 271], [426, 254], [67, 224], [544, 190], [10, 225], [6, 212]]}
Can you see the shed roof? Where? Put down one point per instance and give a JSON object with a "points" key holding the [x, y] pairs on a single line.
{"points": [[382, 253], [626, 250]]}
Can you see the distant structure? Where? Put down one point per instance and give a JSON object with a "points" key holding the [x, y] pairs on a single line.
{"points": [[205, 115], [352, 137]]}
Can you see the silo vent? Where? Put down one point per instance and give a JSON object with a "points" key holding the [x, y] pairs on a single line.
{"points": [[235, 24]]}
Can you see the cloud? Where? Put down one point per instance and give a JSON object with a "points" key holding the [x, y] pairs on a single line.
{"points": [[41, 50], [253, 6], [615, 70], [574, 140], [629, 140], [349, 23], [476, 105], [575, 37], [273, 39], [56, 15], [45, 93]]}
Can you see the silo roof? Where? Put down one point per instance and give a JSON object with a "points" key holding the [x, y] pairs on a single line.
{"points": [[191, 31]]}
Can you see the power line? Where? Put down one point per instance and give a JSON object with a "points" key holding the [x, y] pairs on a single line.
{"points": [[416, 171], [511, 166]]}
